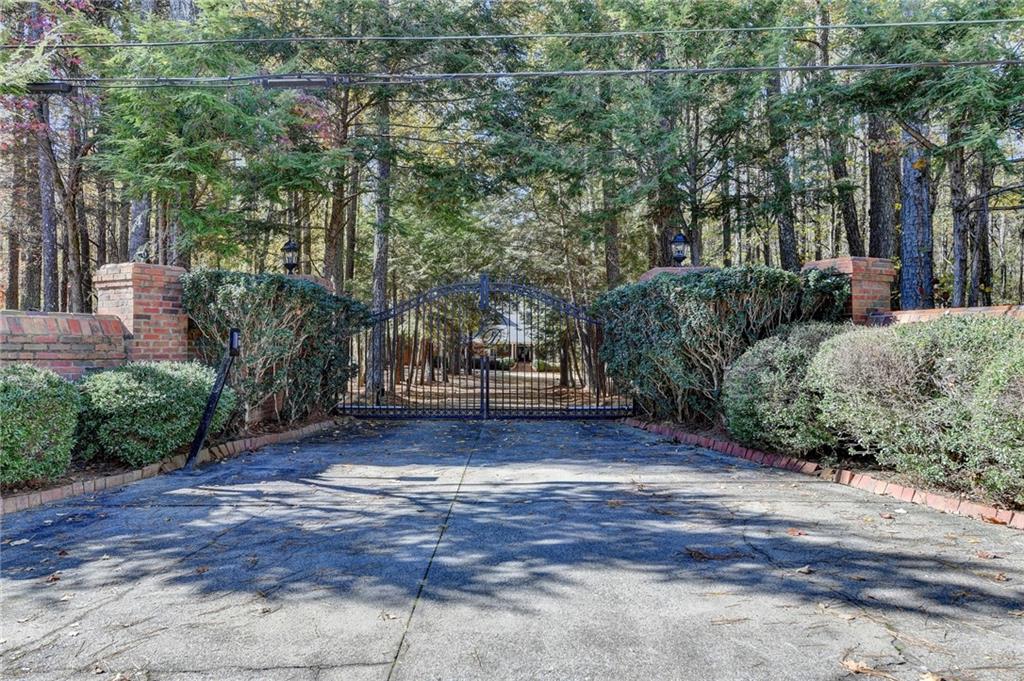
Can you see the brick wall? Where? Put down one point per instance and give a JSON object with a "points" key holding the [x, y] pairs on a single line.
{"points": [[70, 344], [871, 282], [147, 298]]}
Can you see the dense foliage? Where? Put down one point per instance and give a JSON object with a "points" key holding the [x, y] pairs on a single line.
{"points": [[574, 182], [929, 399], [669, 340], [142, 412], [766, 401], [38, 413], [294, 337], [997, 426]]}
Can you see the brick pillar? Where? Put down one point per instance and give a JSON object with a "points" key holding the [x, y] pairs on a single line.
{"points": [[871, 282], [147, 299]]}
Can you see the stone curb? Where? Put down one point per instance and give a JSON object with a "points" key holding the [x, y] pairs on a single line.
{"points": [[226, 450], [840, 476]]}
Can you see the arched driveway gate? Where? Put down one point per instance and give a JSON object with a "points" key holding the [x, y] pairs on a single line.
{"points": [[483, 349]]}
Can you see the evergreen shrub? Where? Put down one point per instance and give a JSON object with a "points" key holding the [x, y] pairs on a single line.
{"points": [[140, 413], [668, 340], [294, 336], [38, 414]]}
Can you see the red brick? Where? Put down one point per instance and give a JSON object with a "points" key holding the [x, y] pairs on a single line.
{"points": [[1004, 515]]}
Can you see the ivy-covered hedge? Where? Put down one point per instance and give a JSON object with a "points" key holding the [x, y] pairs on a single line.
{"points": [[931, 399], [669, 340], [38, 413], [294, 336], [766, 400], [142, 412]]}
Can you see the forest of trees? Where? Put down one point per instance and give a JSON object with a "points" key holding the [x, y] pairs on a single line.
{"points": [[392, 182]]}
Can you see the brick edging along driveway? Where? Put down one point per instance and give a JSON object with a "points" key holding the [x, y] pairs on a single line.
{"points": [[26, 500], [841, 476]]}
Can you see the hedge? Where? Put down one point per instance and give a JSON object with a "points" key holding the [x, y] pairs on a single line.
{"points": [[669, 340], [765, 400], [997, 427], [932, 399], [38, 412], [142, 412], [294, 336]]}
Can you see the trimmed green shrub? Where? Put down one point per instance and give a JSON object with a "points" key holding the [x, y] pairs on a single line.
{"points": [[142, 412], [997, 431], [668, 340], [294, 336], [765, 399], [38, 413], [905, 394]]}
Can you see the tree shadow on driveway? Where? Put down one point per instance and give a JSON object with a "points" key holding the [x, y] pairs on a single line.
{"points": [[360, 516]]}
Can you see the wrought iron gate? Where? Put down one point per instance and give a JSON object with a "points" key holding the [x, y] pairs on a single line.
{"points": [[482, 349]]}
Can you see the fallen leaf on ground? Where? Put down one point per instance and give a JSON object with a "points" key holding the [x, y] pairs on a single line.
{"points": [[201, 569], [858, 667], [55, 577], [993, 520], [987, 555], [1016, 613], [932, 676], [62, 552], [795, 532], [1000, 577], [886, 516], [805, 570]]}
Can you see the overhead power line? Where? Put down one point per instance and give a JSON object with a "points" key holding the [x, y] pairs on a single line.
{"points": [[325, 80], [523, 36]]}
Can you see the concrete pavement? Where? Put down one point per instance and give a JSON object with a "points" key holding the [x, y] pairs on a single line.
{"points": [[503, 550]]}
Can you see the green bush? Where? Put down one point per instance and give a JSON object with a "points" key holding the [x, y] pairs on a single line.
{"points": [[38, 413], [140, 413], [669, 340], [906, 394], [294, 336], [765, 398], [997, 432]]}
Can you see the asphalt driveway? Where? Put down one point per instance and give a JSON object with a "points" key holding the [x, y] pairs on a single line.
{"points": [[498, 550]]}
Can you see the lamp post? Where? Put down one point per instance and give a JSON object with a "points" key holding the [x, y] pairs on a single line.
{"points": [[290, 256], [679, 243]]}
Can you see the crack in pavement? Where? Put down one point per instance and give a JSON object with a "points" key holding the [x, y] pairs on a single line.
{"points": [[430, 562]]}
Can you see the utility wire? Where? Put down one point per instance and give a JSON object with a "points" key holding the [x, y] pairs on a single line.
{"points": [[325, 80], [521, 36]]}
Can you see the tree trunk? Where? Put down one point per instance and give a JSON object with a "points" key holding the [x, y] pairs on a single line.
{"points": [[959, 208], [13, 271], [306, 232], [85, 250], [781, 183], [916, 280], [27, 216], [883, 181], [835, 148], [139, 226], [379, 299], [47, 210], [351, 217], [124, 228], [981, 257], [726, 216], [334, 267], [101, 222]]}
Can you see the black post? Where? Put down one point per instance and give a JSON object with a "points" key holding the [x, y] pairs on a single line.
{"points": [[234, 346]]}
